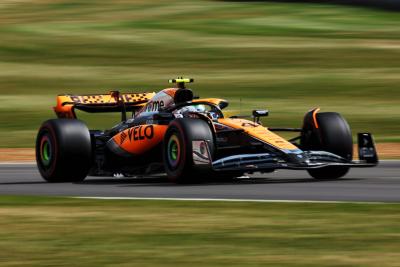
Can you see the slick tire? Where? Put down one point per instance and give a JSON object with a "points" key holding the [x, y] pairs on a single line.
{"points": [[63, 150], [177, 150], [332, 135]]}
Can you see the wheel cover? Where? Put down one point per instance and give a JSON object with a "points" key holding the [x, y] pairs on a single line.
{"points": [[46, 151], [173, 151]]}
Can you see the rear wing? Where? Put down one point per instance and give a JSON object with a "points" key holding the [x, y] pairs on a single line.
{"points": [[112, 102]]}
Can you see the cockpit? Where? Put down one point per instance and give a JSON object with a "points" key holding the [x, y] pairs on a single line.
{"points": [[211, 111]]}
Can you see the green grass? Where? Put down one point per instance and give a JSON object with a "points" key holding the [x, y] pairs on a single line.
{"points": [[287, 57], [44, 231]]}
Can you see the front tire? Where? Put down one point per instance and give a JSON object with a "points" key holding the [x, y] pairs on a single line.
{"points": [[177, 149], [332, 135], [63, 150]]}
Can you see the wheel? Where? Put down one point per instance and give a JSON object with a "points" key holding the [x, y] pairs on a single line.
{"points": [[332, 135], [63, 150], [178, 149]]}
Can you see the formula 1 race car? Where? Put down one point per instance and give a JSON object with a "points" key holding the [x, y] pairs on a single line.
{"points": [[189, 138]]}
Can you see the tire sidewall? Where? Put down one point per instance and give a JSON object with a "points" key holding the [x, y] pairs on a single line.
{"points": [[47, 130], [71, 149], [174, 173], [332, 135], [187, 130]]}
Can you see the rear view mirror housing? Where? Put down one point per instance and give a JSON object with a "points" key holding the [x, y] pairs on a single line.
{"points": [[260, 113], [257, 113]]}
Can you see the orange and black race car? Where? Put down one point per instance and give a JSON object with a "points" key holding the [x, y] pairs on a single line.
{"points": [[189, 138]]}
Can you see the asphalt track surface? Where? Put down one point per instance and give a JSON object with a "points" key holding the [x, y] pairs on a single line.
{"points": [[379, 184]]}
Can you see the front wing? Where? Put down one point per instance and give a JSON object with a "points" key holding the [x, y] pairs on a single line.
{"points": [[295, 160]]}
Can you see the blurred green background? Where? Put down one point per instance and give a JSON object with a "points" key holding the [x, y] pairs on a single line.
{"points": [[55, 231], [287, 57]]}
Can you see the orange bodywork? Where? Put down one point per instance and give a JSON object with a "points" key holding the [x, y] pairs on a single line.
{"points": [[259, 132], [64, 110], [215, 101], [66, 103], [139, 139], [170, 91]]}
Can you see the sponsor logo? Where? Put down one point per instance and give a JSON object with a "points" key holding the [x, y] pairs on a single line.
{"points": [[123, 137], [138, 133], [155, 106]]}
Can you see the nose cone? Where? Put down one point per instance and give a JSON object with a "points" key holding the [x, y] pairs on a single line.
{"points": [[297, 157]]}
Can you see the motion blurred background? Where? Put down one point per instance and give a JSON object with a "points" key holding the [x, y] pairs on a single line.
{"points": [[286, 56]]}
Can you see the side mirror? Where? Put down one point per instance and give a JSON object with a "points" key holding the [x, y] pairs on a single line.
{"points": [[257, 113], [260, 113], [223, 104]]}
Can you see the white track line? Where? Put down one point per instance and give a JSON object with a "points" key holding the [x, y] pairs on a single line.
{"points": [[236, 200]]}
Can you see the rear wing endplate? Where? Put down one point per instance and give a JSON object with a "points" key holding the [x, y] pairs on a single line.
{"points": [[112, 102]]}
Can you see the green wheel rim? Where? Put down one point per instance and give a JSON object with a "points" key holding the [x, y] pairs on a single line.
{"points": [[173, 150], [45, 151]]}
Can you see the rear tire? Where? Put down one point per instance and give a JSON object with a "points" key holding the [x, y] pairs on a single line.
{"points": [[63, 150], [332, 135], [177, 149]]}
